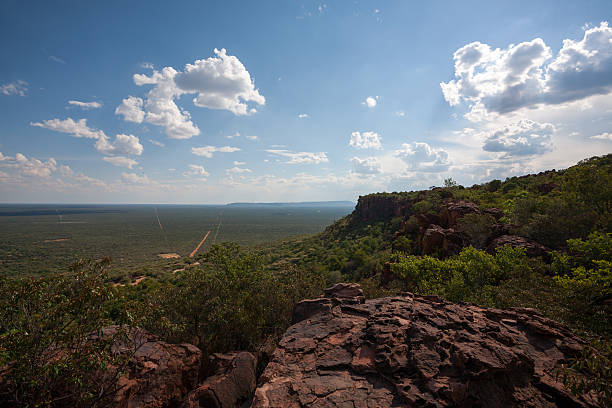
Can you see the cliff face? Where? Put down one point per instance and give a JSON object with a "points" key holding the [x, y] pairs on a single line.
{"points": [[417, 351], [376, 207]]}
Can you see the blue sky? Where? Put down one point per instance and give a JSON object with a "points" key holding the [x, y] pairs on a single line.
{"points": [[214, 102]]}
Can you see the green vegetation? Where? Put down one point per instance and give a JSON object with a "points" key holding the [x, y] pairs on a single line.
{"points": [[232, 297], [35, 242], [52, 349]]}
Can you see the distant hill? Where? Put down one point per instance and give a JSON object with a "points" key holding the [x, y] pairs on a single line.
{"points": [[302, 204]]}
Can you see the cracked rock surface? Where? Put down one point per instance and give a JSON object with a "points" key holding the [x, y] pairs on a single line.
{"points": [[413, 351]]}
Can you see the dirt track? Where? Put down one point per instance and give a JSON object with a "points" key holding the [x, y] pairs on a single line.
{"points": [[192, 254]]}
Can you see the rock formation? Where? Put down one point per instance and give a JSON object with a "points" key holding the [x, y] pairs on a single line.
{"points": [[159, 373], [233, 382], [531, 247], [417, 351]]}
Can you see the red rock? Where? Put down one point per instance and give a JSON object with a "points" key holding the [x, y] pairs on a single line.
{"points": [[232, 384], [344, 290], [159, 373], [531, 247], [451, 211], [420, 351], [445, 241]]}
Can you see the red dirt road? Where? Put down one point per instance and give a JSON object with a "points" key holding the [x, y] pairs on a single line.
{"points": [[192, 254]]}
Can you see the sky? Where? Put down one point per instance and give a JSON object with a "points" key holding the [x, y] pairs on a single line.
{"points": [[203, 102]]}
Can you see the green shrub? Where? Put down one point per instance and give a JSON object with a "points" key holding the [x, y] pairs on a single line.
{"points": [[52, 351], [230, 302]]}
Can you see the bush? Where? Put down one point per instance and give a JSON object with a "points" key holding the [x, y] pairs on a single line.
{"points": [[229, 302], [52, 351]]}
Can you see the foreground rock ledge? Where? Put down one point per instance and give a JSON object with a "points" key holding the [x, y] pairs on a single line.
{"points": [[418, 352]]}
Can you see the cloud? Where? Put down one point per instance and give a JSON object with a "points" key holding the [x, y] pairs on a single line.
{"points": [[85, 105], [29, 167], [252, 137], [238, 170], [57, 59], [18, 87], [207, 151], [301, 157], [302, 116], [370, 101], [131, 109], [501, 81], [147, 65], [603, 136], [400, 113], [238, 163], [121, 161], [156, 143], [522, 138], [368, 165], [365, 140], [123, 144], [196, 171], [77, 128], [220, 82], [419, 156], [159, 107], [237, 134], [133, 178]]}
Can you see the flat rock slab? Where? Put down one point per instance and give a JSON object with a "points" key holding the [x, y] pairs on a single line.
{"points": [[413, 351]]}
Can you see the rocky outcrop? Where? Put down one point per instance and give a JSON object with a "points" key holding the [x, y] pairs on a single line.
{"points": [[419, 351], [451, 211], [159, 375], [381, 206], [446, 241], [232, 384], [532, 248]]}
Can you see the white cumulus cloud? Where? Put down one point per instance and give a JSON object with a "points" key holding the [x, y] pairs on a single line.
{"points": [[85, 105], [31, 167], [367, 165], [419, 156], [504, 80], [133, 178], [18, 87], [365, 140], [301, 157], [207, 151], [603, 136], [196, 171], [219, 82], [370, 101], [77, 128], [123, 144], [121, 161], [131, 109], [522, 138], [302, 116], [239, 170]]}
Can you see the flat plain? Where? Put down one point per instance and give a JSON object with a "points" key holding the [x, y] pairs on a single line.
{"points": [[41, 239]]}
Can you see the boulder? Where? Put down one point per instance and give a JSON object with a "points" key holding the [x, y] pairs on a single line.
{"points": [[445, 241], [344, 291], [159, 375], [420, 351], [232, 383], [348, 293], [451, 211], [532, 248]]}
